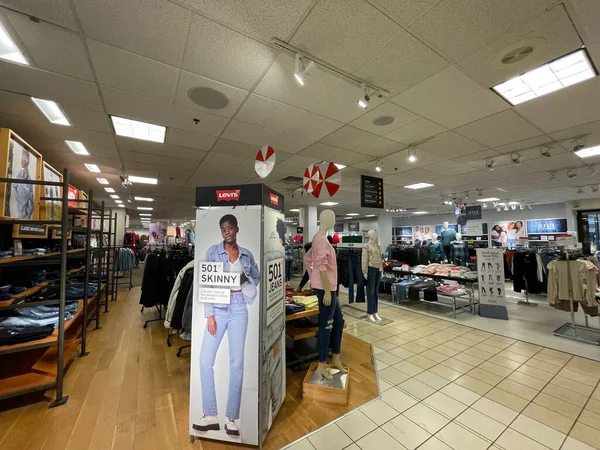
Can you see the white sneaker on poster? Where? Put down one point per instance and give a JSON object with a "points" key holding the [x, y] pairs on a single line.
{"points": [[207, 423], [231, 428]]}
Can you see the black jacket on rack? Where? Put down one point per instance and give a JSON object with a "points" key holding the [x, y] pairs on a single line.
{"points": [[158, 280], [185, 287], [525, 272]]}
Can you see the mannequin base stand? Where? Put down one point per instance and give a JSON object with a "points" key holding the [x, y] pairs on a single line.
{"points": [[526, 301], [335, 391]]}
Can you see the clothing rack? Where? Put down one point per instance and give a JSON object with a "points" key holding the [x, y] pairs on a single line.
{"points": [[570, 330]]}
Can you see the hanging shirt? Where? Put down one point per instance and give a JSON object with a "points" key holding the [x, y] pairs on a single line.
{"points": [[321, 258]]}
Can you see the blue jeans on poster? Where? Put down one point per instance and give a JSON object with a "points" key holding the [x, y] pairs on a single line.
{"points": [[373, 279], [355, 271], [331, 325], [234, 320]]}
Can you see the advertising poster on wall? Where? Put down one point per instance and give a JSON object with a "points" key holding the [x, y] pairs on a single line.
{"points": [[224, 385], [272, 390], [490, 276], [158, 232], [507, 233], [546, 226], [423, 232]]}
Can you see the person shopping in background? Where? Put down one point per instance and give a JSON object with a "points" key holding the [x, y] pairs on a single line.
{"points": [[289, 259], [233, 318]]}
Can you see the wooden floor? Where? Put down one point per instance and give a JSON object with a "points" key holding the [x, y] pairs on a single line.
{"points": [[132, 392]]}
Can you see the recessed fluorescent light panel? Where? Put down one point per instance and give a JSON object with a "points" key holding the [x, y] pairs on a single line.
{"points": [[118, 201], [52, 111], [121, 206], [418, 186], [145, 214], [114, 196], [587, 152], [9, 50], [339, 166], [329, 203], [92, 168], [138, 130], [352, 214], [78, 148], [142, 180], [558, 74], [419, 213], [109, 190], [144, 208], [102, 181], [370, 215], [143, 199], [294, 210], [491, 199]]}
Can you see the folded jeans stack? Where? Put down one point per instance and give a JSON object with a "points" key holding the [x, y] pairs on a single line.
{"points": [[5, 292], [6, 253], [38, 316], [19, 335]]}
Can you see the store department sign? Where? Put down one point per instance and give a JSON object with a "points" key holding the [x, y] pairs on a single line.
{"points": [[474, 212], [546, 226], [353, 226], [371, 192]]}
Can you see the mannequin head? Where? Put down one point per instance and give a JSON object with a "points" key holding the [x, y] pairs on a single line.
{"points": [[434, 237], [327, 220], [446, 224], [372, 236], [459, 237]]}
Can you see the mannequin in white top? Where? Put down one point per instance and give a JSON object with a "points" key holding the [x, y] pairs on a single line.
{"points": [[372, 267], [321, 263]]}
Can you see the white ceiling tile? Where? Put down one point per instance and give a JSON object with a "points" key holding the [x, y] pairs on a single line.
{"points": [[39, 134], [220, 53], [350, 158], [401, 116], [235, 149], [49, 86], [348, 137], [423, 159], [54, 11], [154, 148], [585, 14], [125, 70], [90, 120], [499, 129], [152, 28], [451, 145], [528, 144], [89, 138], [557, 162], [378, 147], [551, 35], [185, 138], [140, 157], [51, 47], [569, 107], [261, 18], [404, 62], [345, 33], [322, 152], [404, 12], [169, 161], [514, 169], [19, 105], [591, 130], [415, 131], [137, 107], [460, 170], [301, 162], [459, 27], [268, 113], [451, 99], [233, 96], [259, 137]]}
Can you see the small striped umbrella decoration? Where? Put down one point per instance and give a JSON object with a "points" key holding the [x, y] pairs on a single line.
{"points": [[313, 180], [265, 161], [332, 179]]}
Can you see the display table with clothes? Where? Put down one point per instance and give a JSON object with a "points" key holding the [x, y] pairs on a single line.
{"points": [[427, 283]]}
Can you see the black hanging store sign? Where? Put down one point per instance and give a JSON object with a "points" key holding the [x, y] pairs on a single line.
{"points": [[474, 212], [239, 195], [371, 192]]}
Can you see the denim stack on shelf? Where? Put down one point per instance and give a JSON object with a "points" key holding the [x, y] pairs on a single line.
{"points": [[5, 292], [37, 316], [34, 251], [6, 254]]}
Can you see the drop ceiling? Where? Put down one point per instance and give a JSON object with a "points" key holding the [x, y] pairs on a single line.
{"points": [[437, 58]]}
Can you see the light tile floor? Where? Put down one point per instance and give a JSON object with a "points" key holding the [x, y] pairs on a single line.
{"points": [[448, 386]]}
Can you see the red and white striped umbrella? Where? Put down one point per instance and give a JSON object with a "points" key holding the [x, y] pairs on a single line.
{"points": [[313, 180], [332, 179], [265, 161]]}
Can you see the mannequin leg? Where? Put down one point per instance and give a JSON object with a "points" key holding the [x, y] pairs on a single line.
{"points": [[326, 321], [372, 285], [351, 264], [376, 296]]}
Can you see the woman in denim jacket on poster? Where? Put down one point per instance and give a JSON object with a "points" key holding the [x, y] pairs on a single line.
{"points": [[232, 318]]}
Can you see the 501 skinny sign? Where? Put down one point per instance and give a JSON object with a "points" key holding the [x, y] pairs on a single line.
{"points": [[212, 274]]}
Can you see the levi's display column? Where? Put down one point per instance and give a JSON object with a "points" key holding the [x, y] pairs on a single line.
{"points": [[238, 353]]}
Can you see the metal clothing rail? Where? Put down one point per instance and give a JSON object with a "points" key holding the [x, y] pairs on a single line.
{"points": [[570, 330]]}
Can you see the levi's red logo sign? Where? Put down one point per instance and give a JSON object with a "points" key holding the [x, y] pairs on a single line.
{"points": [[228, 196], [274, 199]]}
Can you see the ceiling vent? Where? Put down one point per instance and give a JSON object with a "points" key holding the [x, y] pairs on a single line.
{"points": [[292, 180], [518, 54], [207, 97], [383, 121]]}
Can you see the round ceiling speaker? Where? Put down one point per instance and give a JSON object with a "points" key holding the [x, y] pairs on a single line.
{"points": [[265, 161], [208, 97], [383, 121]]}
